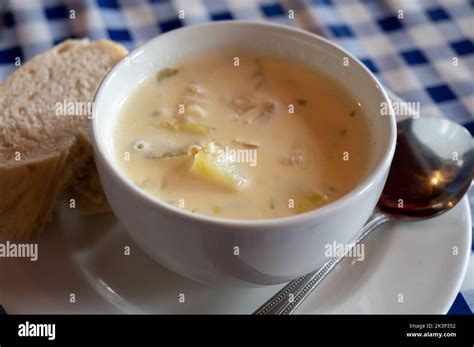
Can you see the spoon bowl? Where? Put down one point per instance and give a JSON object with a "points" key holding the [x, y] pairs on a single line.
{"points": [[432, 168]]}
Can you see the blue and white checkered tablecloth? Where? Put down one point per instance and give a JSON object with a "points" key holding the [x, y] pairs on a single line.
{"points": [[421, 49]]}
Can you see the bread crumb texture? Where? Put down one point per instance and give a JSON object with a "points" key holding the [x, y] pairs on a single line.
{"points": [[46, 155]]}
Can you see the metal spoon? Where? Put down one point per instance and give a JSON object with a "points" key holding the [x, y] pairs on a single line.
{"points": [[431, 171]]}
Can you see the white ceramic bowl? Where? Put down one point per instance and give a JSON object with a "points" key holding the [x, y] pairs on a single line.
{"points": [[204, 248]]}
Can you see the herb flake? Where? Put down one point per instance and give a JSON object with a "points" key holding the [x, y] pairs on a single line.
{"points": [[301, 102], [165, 73]]}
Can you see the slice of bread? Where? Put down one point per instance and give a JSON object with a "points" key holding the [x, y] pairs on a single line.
{"points": [[45, 148]]}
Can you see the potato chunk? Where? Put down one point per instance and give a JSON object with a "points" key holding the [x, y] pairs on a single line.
{"points": [[212, 164], [187, 126], [309, 202], [196, 111]]}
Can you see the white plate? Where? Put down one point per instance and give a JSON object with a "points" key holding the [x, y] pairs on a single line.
{"points": [[409, 262]]}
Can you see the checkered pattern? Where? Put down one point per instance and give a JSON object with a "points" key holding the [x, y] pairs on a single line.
{"points": [[421, 49]]}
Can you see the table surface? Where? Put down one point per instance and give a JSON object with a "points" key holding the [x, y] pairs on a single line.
{"points": [[421, 49]]}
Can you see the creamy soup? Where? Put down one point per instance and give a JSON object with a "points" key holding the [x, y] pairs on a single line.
{"points": [[242, 136]]}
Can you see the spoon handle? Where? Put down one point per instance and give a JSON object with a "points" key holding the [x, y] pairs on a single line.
{"points": [[290, 297]]}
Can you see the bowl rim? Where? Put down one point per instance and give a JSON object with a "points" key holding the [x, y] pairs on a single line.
{"points": [[381, 167]]}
